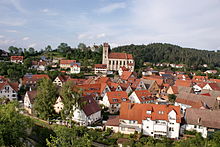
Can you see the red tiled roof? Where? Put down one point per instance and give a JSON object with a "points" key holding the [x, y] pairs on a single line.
{"points": [[101, 66], [158, 79], [186, 83], [34, 78], [77, 81], [14, 86], [143, 95], [113, 121], [125, 75], [131, 111], [91, 89], [215, 80], [116, 97], [214, 86], [103, 80], [67, 61], [120, 56], [200, 78], [17, 58]]}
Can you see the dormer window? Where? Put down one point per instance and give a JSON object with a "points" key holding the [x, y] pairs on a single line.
{"points": [[148, 112], [160, 112], [124, 99], [115, 100]]}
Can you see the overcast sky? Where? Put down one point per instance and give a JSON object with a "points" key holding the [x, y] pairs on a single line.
{"points": [[37, 23]]}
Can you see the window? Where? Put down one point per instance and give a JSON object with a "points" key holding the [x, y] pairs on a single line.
{"points": [[147, 127], [148, 112], [171, 129], [160, 112]]}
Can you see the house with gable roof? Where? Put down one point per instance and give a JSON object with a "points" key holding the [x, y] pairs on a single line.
{"points": [[212, 86], [113, 100], [59, 80], [188, 100], [17, 59], [29, 100], [30, 80], [141, 97], [9, 90], [66, 63], [151, 119], [100, 68], [58, 106], [75, 68], [203, 121], [89, 114]]}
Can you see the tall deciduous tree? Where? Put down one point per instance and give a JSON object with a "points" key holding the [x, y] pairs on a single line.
{"points": [[45, 99], [13, 125], [72, 98], [69, 137]]}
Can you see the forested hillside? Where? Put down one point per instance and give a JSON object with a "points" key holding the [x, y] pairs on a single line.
{"points": [[159, 52]]}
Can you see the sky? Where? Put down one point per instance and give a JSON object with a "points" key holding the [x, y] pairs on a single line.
{"points": [[38, 23]]}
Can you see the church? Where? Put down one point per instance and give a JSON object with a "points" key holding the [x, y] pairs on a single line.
{"points": [[115, 61]]}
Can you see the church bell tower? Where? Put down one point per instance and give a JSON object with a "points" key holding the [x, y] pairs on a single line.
{"points": [[105, 53]]}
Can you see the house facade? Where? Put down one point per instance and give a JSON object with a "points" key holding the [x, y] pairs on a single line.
{"points": [[9, 90], [141, 97], [151, 119], [66, 63], [29, 100], [202, 121], [116, 60], [89, 114], [100, 68], [75, 68], [17, 59], [113, 100]]}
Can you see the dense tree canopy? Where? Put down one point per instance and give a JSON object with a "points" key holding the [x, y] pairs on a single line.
{"points": [[159, 52], [45, 99], [13, 125]]}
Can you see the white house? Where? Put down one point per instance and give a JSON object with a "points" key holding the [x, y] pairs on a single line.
{"points": [[202, 120], [9, 90], [75, 68], [89, 114], [29, 100], [17, 59], [212, 86], [100, 68], [141, 96], [113, 100], [66, 63], [59, 80], [58, 105], [151, 119]]}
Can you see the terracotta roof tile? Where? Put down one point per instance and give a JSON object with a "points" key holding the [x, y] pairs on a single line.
{"points": [[116, 97], [67, 61], [187, 83], [101, 66], [203, 117], [17, 58], [131, 111], [120, 56]]}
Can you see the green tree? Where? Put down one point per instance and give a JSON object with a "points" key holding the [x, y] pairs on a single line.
{"points": [[63, 48], [81, 46], [48, 48], [172, 97], [72, 98], [69, 137], [45, 99], [31, 50], [13, 125]]}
